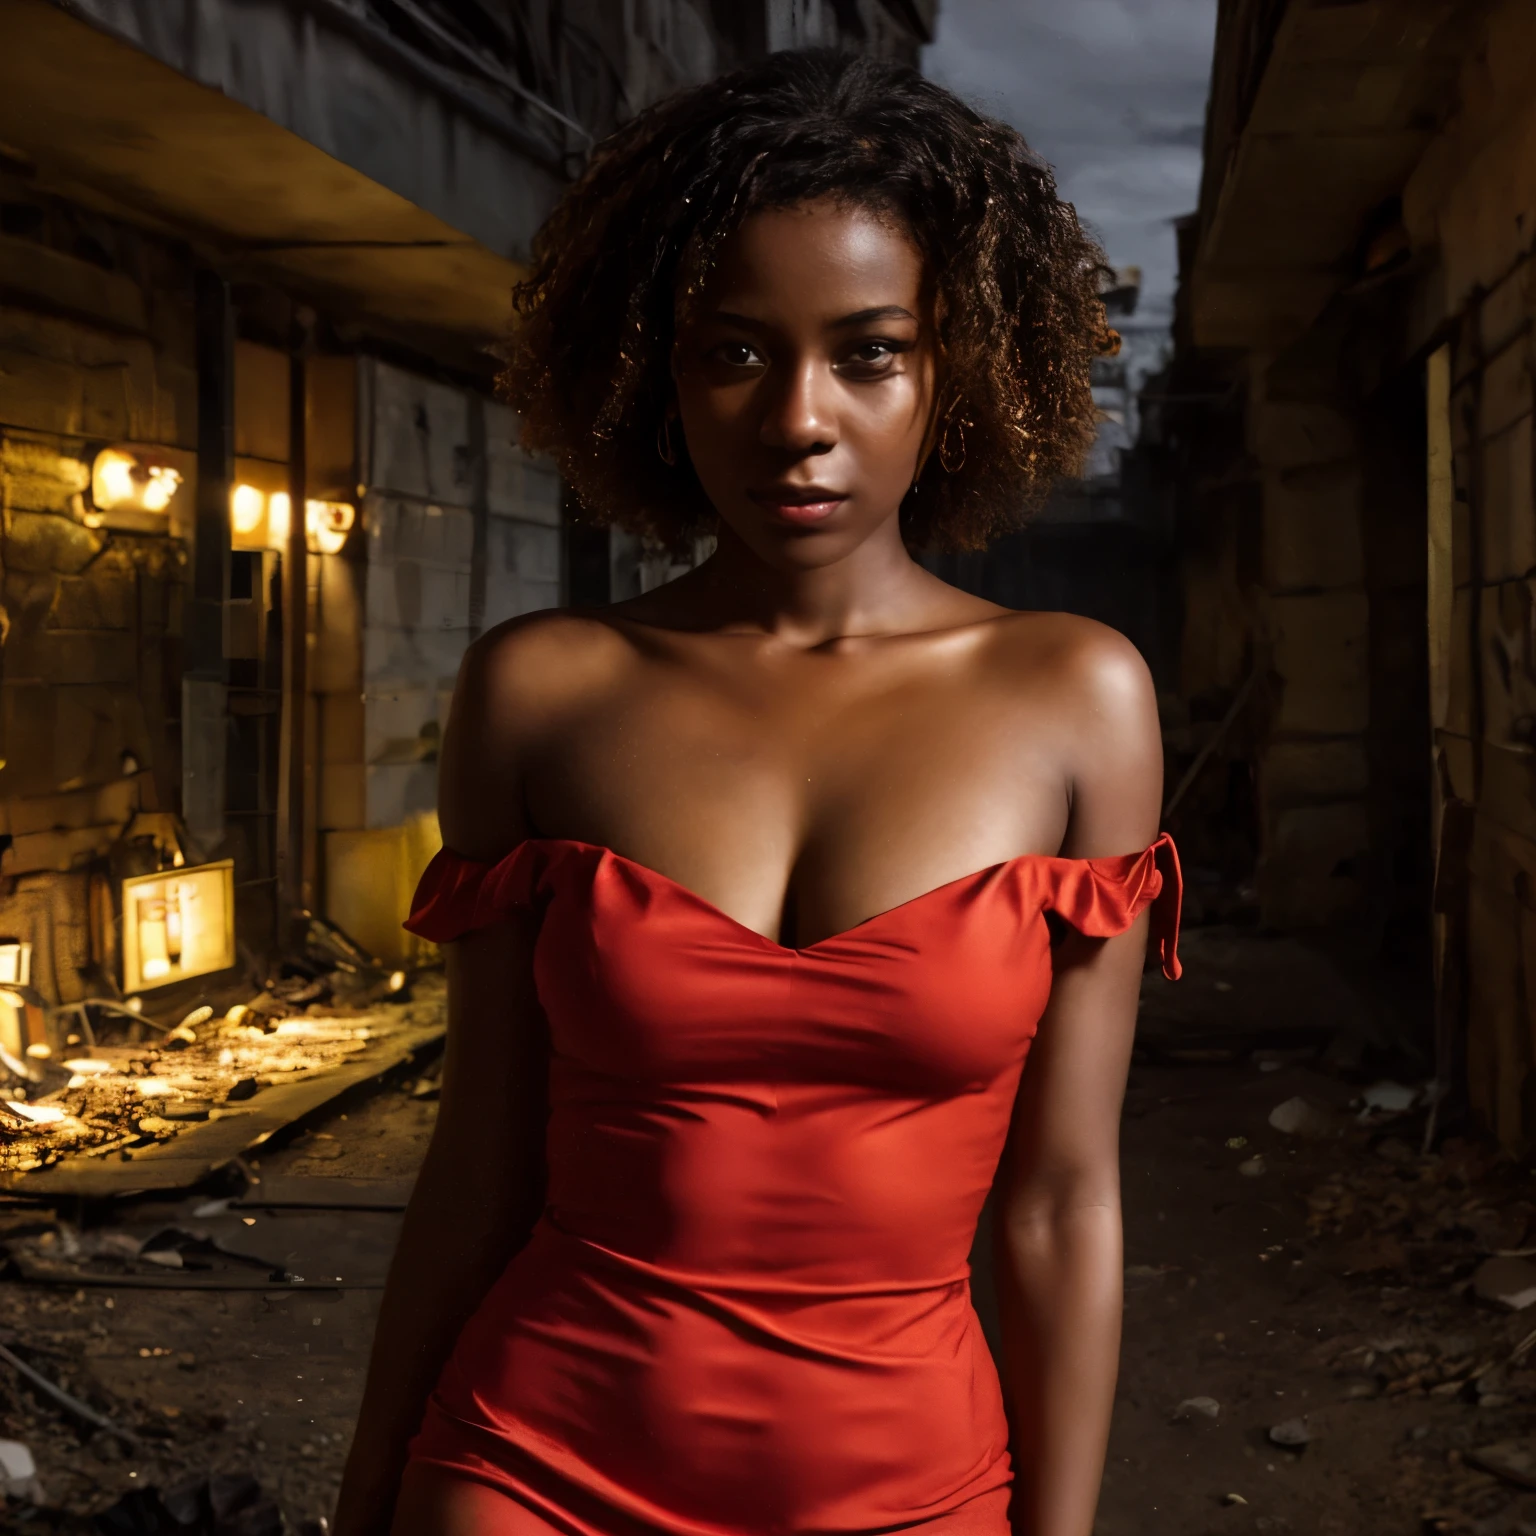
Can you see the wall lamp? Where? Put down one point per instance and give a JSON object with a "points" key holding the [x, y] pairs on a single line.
{"points": [[130, 482], [326, 523]]}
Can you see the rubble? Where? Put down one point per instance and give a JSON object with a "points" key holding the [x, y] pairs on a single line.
{"points": [[18, 1473], [128, 1096], [1506, 1279], [1293, 1434], [1301, 1117]]}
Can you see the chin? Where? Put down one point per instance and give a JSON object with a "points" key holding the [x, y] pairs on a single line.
{"points": [[800, 548]]}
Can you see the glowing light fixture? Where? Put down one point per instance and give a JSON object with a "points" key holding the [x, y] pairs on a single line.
{"points": [[16, 1032], [247, 509], [279, 513], [327, 524], [123, 481], [177, 924]]}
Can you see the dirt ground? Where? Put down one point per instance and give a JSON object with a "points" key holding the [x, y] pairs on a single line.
{"points": [[1325, 1278]]}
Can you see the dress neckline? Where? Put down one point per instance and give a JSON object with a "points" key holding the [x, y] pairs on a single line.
{"points": [[974, 877]]}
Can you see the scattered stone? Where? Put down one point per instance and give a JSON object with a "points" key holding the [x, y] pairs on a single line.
{"points": [[18, 1473], [1293, 1434], [1388, 1098], [1509, 1281], [1512, 1460], [1202, 1407], [1233, 1498], [1301, 1117], [1254, 1167]]}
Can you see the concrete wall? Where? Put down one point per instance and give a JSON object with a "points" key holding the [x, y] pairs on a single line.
{"points": [[459, 531]]}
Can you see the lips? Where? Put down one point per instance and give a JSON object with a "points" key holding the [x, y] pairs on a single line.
{"points": [[800, 506]]}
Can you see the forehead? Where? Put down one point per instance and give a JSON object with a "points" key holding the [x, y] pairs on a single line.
{"points": [[820, 259]]}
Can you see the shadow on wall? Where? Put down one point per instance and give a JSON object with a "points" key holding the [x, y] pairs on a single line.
{"points": [[1116, 572]]}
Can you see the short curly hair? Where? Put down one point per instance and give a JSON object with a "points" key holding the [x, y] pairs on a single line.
{"points": [[628, 248]]}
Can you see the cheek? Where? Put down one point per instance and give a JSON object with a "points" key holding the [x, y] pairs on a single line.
{"points": [[889, 420]]}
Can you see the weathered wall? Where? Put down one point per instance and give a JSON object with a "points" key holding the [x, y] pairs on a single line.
{"points": [[1473, 198], [459, 530], [95, 348]]}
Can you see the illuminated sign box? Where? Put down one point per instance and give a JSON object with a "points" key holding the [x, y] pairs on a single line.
{"points": [[177, 924]]}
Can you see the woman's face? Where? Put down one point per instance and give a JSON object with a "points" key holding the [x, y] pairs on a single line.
{"points": [[805, 380]]}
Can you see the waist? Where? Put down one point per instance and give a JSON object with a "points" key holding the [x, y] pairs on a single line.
{"points": [[857, 1404]]}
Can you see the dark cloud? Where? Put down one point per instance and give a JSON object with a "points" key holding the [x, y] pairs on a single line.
{"points": [[1111, 92]]}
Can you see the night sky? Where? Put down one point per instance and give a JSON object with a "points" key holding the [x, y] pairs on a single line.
{"points": [[1111, 92]]}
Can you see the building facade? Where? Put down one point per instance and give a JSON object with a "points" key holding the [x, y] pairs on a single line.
{"points": [[1349, 417], [258, 491]]}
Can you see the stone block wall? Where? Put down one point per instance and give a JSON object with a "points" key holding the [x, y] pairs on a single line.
{"points": [[95, 350], [1311, 769], [459, 531], [1473, 199]]}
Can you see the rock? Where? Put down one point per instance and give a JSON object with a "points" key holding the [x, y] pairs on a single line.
{"points": [[18, 1473], [1301, 1117], [1198, 1407], [1293, 1434], [1233, 1498], [1511, 1282], [1254, 1167], [1512, 1460], [1388, 1098], [244, 1089]]}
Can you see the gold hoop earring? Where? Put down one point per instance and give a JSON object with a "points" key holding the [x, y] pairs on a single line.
{"points": [[664, 447], [944, 448]]}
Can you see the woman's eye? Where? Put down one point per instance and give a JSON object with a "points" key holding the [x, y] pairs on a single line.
{"points": [[872, 356], [737, 354]]}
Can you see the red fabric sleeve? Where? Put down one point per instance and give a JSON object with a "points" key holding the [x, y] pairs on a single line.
{"points": [[456, 896], [1103, 897]]}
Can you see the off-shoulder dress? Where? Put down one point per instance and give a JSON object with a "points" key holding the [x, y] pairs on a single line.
{"points": [[746, 1307]]}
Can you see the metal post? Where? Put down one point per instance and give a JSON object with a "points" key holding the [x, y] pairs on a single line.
{"points": [[204, 729], [295, 897]]}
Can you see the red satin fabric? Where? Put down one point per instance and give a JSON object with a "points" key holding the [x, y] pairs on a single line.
{"points": [[746, 1307]]}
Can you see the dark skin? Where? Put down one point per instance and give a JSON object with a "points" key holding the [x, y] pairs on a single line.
{"points": [[807, 730]]}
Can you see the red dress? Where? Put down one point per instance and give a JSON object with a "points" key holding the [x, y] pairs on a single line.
{"points": [[746, 1307]]}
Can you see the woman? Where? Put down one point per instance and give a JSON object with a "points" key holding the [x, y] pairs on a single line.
{"points": [[761, 885]]}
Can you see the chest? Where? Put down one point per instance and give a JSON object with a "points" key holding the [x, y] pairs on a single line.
{"points": [[802, 801], [642, 980]]}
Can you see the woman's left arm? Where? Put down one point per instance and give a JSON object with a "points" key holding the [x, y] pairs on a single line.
{"points": [[1057, 1240]]}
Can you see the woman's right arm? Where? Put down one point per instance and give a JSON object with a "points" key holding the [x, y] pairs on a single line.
{"points": [[481, 1186], [478, 1195]]}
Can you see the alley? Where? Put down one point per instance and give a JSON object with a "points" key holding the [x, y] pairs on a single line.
{"points": [[263, 484], [1306, 1348]]}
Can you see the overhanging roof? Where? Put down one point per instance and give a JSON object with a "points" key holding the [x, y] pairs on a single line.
{"points": [[419, 221], [1349, 99]]}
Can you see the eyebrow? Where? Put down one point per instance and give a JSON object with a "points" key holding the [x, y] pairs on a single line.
{"points": [[860, 317]]}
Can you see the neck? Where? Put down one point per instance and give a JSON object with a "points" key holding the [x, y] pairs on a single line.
{"points": [[876, 589]]}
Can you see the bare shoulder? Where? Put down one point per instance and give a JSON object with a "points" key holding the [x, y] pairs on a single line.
{"points": [[1063, 651], [1095, 691], [518, 684], [542, 661]]}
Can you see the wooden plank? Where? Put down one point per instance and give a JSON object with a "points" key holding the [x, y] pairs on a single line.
{"points": [[293, 1191], [189, 1157], [37, 1273]]}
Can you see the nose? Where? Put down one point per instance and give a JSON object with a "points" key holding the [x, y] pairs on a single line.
{"points": [[799, 416]]}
